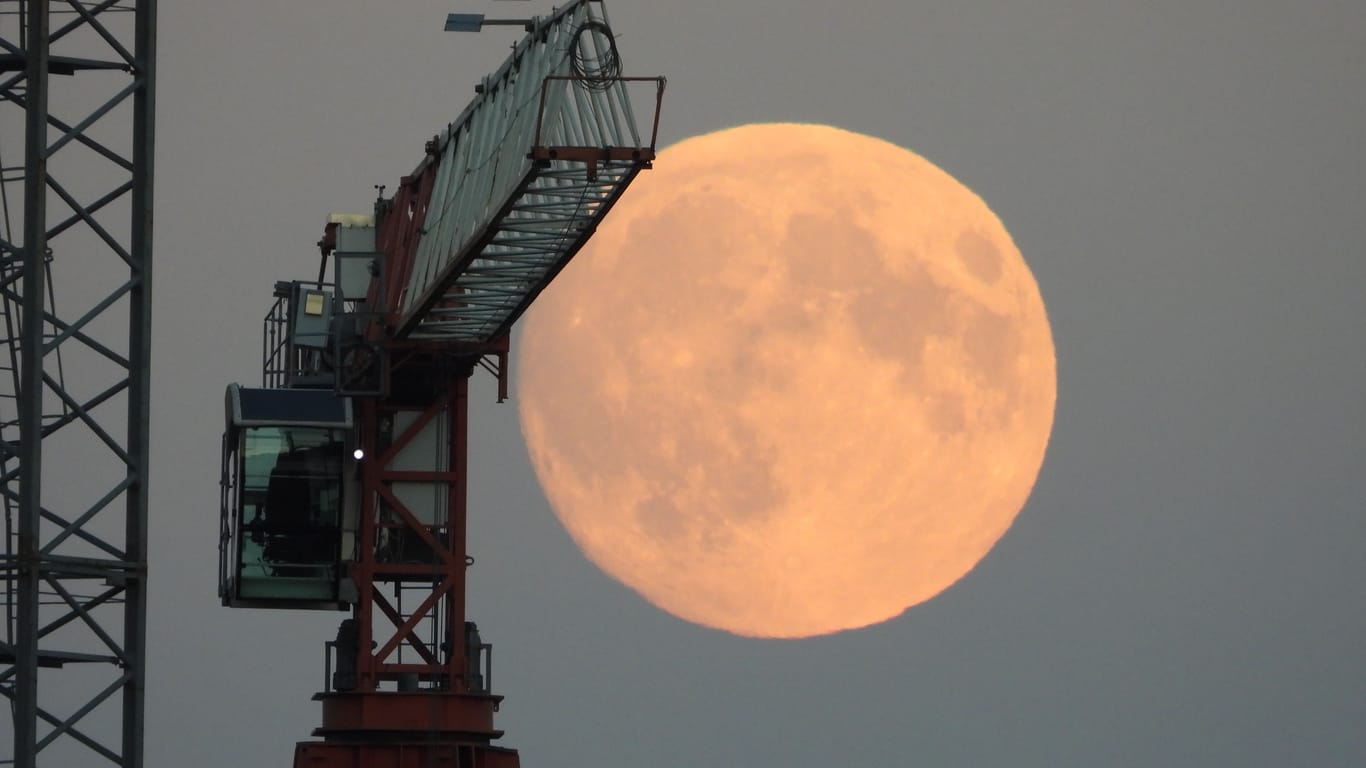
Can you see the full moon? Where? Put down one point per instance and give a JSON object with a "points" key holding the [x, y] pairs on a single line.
{"points": [[799, 381]]}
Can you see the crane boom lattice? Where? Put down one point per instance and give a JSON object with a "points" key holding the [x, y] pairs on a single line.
{"points": [[518, 183]]}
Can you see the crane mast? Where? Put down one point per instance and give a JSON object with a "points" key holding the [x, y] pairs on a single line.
{"points": [[77, 144], [344, 476]]}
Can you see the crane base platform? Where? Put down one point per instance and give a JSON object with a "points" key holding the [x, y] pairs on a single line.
{"points": [[414, 754], [405, 729], [463, 715]]}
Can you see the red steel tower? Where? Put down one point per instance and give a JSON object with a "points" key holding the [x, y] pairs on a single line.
{"points": [[344, 475]]}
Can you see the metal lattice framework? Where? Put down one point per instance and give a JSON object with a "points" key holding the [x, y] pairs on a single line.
{"points": [[501, 202], [76, 141], [501, 221]]}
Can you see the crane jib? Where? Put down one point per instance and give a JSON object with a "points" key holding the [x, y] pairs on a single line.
{"points": [[512, 190]]}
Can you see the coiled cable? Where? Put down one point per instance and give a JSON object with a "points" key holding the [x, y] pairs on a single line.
{"points": [[595, 68]]}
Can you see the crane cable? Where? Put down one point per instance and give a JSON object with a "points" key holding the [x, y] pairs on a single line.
{"points": [[597, 73]]}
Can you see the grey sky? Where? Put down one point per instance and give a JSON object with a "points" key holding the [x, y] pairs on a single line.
{"points": [[1184, 586]]}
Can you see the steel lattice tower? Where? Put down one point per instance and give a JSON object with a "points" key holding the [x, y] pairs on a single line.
{"points": [[76, 148]]}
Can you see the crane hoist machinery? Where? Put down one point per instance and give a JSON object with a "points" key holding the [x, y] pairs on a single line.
{"points": [[344, 475]]}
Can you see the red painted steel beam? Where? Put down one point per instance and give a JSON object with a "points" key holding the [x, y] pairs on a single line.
{"points": [[445, 725], [442, 563], [468, 715], [594, 154], [401, 755], [417, 643], [400, 230]]}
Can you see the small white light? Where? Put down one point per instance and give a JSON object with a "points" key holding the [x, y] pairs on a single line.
{"points": [[358, 454]]}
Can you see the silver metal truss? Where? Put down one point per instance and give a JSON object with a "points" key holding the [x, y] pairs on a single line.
{"points": [[529, 244], [77, 84], [525, 173]]}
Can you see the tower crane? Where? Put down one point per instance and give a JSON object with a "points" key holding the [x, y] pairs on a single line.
{"points": [[344, 474]]}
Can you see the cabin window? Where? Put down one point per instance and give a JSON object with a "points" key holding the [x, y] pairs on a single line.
{"points": [[289, 493]]}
